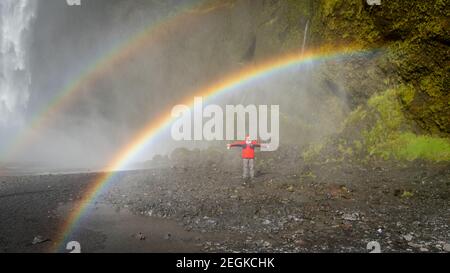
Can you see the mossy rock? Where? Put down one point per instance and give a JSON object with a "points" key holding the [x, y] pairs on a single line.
{"points": [[414, 37], [381, 129]]}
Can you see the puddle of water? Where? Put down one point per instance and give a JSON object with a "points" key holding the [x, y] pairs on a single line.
{"points": [[119, 228]]}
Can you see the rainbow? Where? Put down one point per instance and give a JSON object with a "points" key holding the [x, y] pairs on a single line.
{"points": [[99, 68], [158, 125]]}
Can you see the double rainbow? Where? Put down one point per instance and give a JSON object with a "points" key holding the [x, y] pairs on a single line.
{"points": [[123, 52], [154, 127]]}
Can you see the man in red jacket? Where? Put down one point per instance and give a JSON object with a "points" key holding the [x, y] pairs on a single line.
{"points": [[248, 154]]}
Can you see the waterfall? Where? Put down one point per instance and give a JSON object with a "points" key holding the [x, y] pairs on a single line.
{"points": [[303, 77], [15, 20], [305, 36]]}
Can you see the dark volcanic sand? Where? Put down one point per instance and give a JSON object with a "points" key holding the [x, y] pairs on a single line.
{"points": [[289, 207]]}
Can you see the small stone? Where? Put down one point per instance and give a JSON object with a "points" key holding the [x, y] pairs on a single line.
{"points": [[38, 240], [266, 222], [408, 237], [424, 249], [351, 217], [414, 245], [446, 247], [139, 236]]}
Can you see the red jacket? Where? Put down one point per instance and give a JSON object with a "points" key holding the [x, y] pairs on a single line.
{"points": [[248, 151]]}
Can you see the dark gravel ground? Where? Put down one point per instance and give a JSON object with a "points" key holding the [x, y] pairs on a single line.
{"points": [[291, 206], [335, 207]]}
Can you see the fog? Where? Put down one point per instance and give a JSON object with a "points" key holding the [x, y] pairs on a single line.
{"points": [[60, 43]]}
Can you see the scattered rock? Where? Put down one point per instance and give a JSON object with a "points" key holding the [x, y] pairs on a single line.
{"points": [[351, 217], [446, 247], [411, 244], [408, 237], [139, 236], [39, 240]]}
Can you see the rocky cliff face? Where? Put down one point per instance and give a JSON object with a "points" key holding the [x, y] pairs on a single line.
{"points": [[414, 36], [406, 86], [397, 93]]}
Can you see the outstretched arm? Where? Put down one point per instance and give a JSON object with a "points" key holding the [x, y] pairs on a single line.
{"points": [[256, 144], [259, 145], [235, 144]]}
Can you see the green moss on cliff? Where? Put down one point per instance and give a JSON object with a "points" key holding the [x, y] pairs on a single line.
{"points": [[410, 146], [389, 134]]}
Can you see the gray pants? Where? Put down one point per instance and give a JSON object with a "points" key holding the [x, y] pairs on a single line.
{"points": [[249, 167]]}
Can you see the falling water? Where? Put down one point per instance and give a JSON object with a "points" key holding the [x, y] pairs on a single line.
{"points": [[304, 72], [15, 20], [305, 35]]}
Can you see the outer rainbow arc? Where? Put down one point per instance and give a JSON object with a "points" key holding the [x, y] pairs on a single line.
{"points": [[104, 65], [155, 126]]}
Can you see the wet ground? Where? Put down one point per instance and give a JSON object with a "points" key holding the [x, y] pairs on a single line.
{"points": [[204, 206], [122, 231]]}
